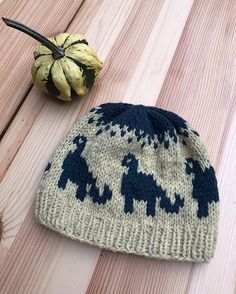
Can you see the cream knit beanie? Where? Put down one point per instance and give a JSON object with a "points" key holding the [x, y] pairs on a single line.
{"points": [[135, 179]]}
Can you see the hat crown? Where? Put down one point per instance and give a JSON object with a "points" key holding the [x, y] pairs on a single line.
{"points": [[147, 120]]}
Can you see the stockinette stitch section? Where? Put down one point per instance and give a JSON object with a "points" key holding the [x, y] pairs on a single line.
{"points": [[135, 179]]}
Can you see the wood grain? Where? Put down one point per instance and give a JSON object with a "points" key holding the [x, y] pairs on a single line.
{"points": [[202, 75], [157, 53], [32, 106], [179, 55], [22, 198], [122, 273], [219, 277], [55, 113], [17, 48], [200, 86]]}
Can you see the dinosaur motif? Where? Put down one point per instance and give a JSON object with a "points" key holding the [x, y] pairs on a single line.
{"points": [[76, 170], [201, 180], [140, 186]]}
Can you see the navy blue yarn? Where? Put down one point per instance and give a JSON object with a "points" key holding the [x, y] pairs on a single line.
{"points": [[122, 133], [139, 186], [112, 133], [196, 133], [147, 119], [91, 120], [75, 169], [166, 144], [99, 132], [185, 133], [48, 167], [205, 189], [130, 140]]}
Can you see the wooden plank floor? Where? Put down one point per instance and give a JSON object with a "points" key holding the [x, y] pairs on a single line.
{"points": [[178, 55]]}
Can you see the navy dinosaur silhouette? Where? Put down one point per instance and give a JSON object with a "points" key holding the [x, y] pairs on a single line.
{"points": [[75, 169], [205, 189], [139, 186]]}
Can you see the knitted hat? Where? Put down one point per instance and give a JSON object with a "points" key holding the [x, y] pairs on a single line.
{"points": [[135, 179]]}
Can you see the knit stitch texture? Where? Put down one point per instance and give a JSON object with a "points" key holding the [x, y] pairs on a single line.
{"points": [[134, 179]]}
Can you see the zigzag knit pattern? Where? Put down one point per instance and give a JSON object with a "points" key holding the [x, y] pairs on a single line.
{"points": [[134, 179]]}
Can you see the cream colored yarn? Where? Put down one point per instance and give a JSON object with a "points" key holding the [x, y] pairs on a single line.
{"points": [[100, 185]]}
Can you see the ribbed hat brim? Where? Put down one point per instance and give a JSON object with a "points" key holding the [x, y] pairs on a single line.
{"points": [[183, 242]]}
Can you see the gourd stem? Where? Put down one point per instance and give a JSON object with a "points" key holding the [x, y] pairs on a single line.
{"points": [[57, 52]]}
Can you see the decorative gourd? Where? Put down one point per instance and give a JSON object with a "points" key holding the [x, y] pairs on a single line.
{"points": [[64, 65]]}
